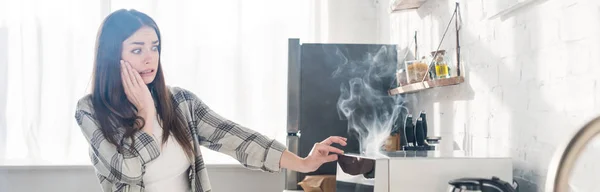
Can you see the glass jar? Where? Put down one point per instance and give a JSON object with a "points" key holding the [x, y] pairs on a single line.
{"points": [[416, 71], [442, 70]]}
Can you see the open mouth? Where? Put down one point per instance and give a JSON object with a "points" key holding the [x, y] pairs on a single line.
{"points": [[147, 72]]}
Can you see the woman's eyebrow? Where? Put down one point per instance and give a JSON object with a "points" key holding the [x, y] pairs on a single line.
{"points": [[142, 43]]}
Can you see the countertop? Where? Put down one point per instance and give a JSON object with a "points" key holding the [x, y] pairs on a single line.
{"points": [[458, 154]]}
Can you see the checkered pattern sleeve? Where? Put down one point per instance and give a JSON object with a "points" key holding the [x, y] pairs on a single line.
{"points": [[125, 167], [250, 148]]}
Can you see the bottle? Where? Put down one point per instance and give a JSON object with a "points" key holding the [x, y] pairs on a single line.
{"points": [[441, 66]]}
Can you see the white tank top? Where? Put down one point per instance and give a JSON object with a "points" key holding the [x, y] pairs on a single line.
{"points": [[168, 172]]}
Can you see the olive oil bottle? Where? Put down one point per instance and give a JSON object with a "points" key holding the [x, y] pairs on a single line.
{"points": [[441, 66]]}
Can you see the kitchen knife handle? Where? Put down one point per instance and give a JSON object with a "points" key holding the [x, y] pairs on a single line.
{"points": [[419, 133]]}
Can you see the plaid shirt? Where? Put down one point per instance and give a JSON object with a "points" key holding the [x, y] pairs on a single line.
{"points": [[124, 171]]}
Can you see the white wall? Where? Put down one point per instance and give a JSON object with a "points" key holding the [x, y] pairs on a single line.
{"points": [[82, 178], [532, 79], [354, 21]]}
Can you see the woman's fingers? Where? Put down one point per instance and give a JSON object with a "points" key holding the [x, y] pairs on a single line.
{"points": [[335, 139], [326, 149], [331, 158], [138, 79], [125, 78], [132, 73], [135, 76]]}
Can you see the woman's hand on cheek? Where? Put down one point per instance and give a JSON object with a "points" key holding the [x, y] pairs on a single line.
{"points": [[137, 91], [323, 152]]}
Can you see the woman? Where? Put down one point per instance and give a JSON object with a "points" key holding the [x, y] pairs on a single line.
{"points": [[145, 136]]}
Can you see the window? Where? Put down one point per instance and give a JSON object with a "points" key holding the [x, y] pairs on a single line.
{"points": [[232, 54]]}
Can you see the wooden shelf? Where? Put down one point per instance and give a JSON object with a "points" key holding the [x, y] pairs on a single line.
{"points": [[400, 5], [415, 87]]}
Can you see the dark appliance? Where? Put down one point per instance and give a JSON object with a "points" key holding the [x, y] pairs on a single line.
{"points": [[482, 185], [316, 73]]}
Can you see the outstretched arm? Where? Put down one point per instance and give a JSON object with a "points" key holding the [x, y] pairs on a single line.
{"points": [[319, 155], [250, 148]]}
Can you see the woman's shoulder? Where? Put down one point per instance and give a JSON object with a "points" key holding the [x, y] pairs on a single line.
{"points": [[85, 103], [84, 109], [176, 90], [181, 95]]}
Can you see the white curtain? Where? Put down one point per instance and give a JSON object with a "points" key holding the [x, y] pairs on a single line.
{"points": [[232, 54]]}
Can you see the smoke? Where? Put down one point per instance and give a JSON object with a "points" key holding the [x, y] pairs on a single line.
{"points": [[364, 100]]}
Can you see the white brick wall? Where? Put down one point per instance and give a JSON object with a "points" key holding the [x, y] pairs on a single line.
{"points": [[533, 79]]}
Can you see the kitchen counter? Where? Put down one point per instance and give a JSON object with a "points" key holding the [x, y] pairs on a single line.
{"points": [[411, 155], [429, 171]]}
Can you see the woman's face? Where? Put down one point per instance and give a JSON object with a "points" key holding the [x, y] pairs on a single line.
{"points": [[141, 51]]}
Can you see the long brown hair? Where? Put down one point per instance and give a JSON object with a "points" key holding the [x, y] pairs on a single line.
{"points": [[114, 112]]}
